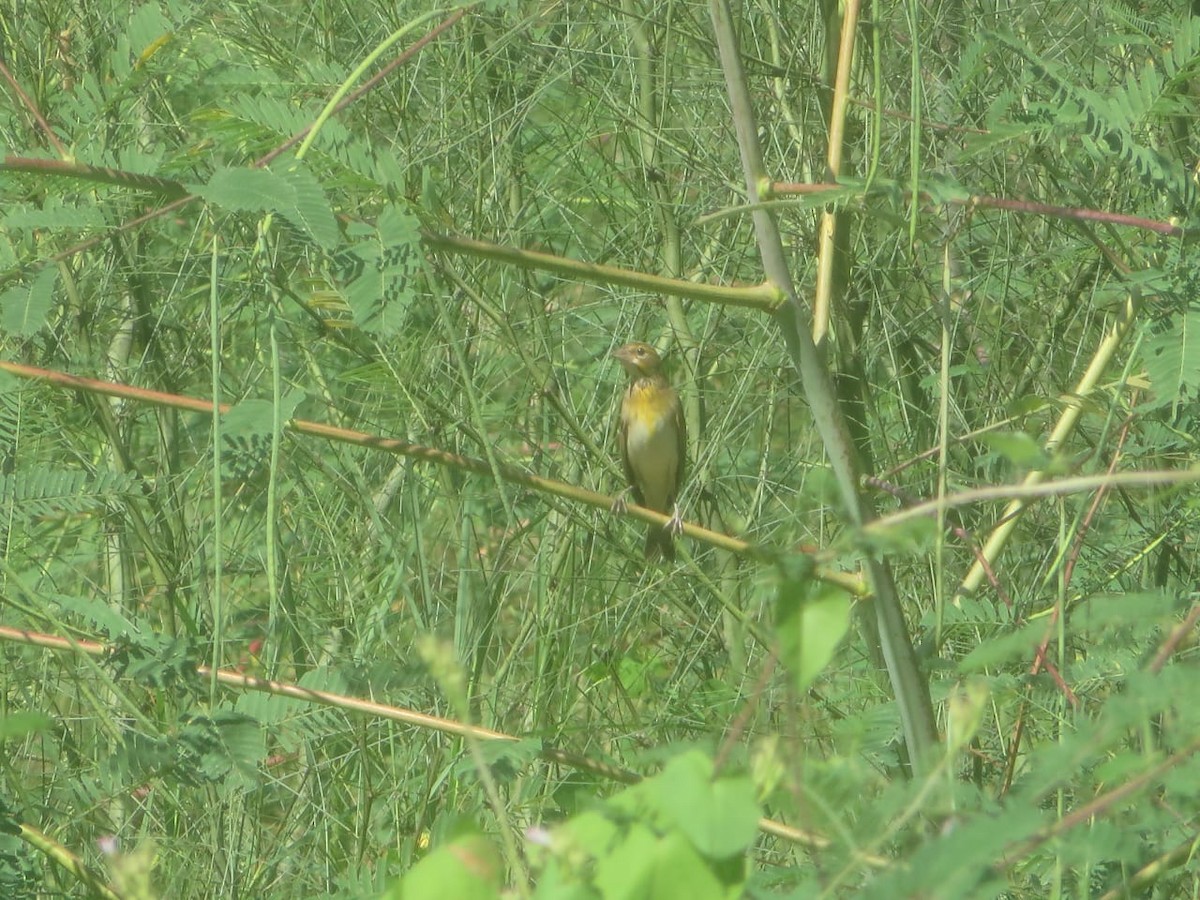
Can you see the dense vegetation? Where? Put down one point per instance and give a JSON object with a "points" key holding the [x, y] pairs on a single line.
{"points": [[924, 275]]}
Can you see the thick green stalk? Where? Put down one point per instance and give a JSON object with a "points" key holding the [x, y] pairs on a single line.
{"points": [[908, 683]]}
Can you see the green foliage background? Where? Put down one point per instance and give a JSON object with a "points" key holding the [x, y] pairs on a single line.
{"points": [[600, 133]]}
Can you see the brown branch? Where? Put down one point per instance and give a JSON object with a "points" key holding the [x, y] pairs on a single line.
{"points": [[550, 486], [99, 174], [161, 211], [27, 101], [1100, 805], [1074, 213], [398, 714]]}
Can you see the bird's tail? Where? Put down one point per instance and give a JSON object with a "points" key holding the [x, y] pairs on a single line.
{"points": [[660, 544]]}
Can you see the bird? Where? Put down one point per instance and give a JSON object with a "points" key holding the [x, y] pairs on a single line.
{"points": [[652, 439]]}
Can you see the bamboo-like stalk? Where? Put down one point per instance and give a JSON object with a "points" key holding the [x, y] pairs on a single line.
{"points": [[1065, 425], [832, 219], [908, 684]]}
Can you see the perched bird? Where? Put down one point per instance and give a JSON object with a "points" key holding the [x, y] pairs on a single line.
{"points": [[653, 442]]}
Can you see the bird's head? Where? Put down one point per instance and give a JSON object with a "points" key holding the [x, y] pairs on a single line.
{"points": [[638, 359]]}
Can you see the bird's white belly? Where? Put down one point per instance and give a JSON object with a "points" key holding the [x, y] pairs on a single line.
{"points": [[653, 456]]}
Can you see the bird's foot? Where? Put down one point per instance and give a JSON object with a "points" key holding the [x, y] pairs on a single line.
{"points": [[674, 526]]}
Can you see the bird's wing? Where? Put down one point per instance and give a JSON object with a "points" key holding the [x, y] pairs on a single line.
{"points": [[681, 431], [622, 442]]}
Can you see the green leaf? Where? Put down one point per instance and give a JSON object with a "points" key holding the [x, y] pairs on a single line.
{"points": [[242, 190], [1116, 611], [645, 866], [54, 492], [257, 416], [223, 748], [943, 188], [294, 194], [246, 435], [1172, 359], [810, 621], [24, 309], [1026, 405], [999, 132], [719, 816], [378, 273], [55, 215], [907, 537], [17, 725], [468, 868], [250, 417], [1018, 448], [592, 830], [99, 616], [1016, 646], [960, 861], [308, 208], [505, 759], [147, 27]]}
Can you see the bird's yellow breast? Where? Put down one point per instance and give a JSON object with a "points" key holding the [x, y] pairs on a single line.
{"points": [[648, 405]]}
